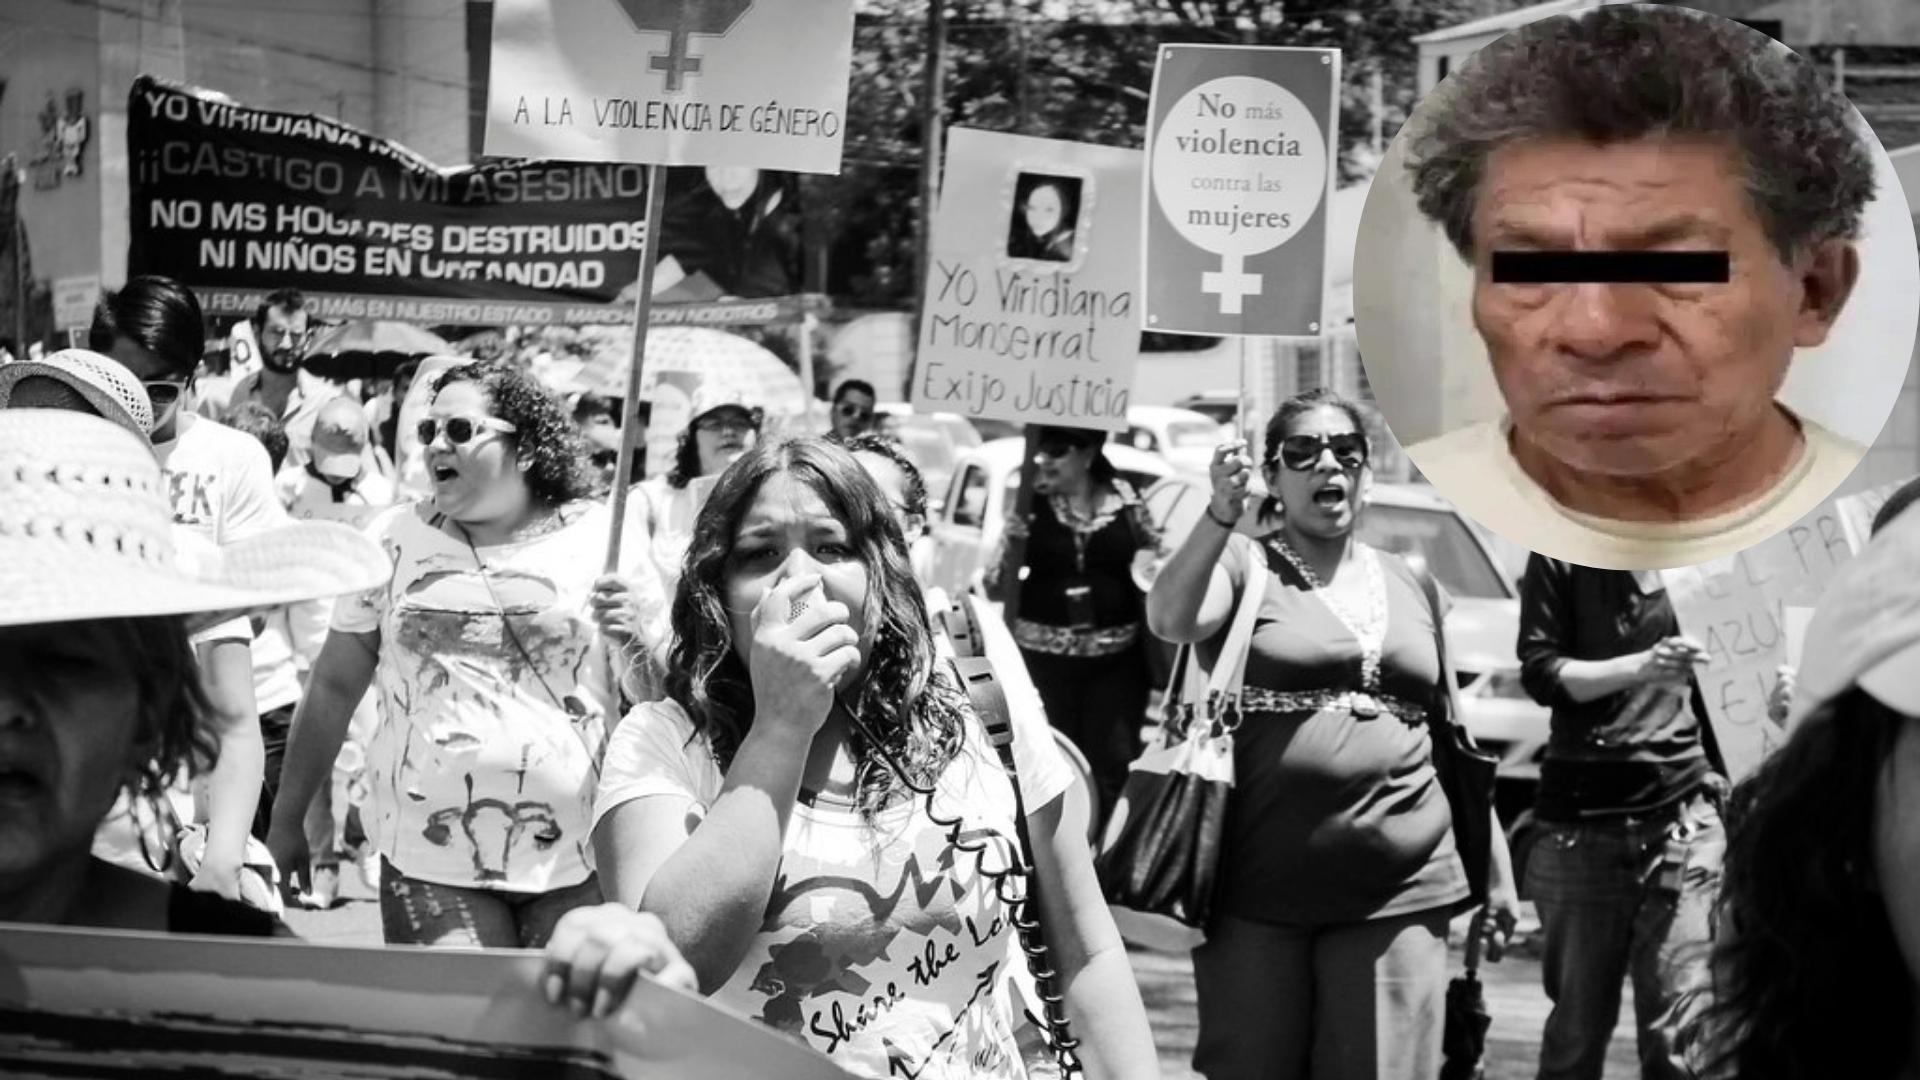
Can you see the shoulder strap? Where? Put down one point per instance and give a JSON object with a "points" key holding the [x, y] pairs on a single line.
{"points": [[1230, 670], [1430, 586], [962, 627], [990, 702]]}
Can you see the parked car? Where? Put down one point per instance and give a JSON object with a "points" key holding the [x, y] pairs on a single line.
{"points": [[934, 441], [1184, 437], [1221, 406]]}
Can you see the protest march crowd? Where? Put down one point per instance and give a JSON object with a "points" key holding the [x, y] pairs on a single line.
{"points": [[261, 629]]}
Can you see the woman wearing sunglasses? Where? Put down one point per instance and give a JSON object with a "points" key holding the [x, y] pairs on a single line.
{"points": [[724, 426], [1080, 620], [490, 648], [1327, 952]]}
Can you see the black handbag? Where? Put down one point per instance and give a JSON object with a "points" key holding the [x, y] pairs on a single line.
{"points": [[1160, 856], [1466, 772]]}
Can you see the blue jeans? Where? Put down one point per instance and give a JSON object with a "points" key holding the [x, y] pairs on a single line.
{"points": [[1624, 898]]}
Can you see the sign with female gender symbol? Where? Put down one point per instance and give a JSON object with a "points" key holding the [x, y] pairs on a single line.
{"points": [[1241, 146]]}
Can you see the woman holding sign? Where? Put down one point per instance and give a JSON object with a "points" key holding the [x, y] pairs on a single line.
{"points": [[1327, 952], [1081, 614], [492, 650]]}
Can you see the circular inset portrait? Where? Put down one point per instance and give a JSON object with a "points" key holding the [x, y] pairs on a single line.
{"points": [[1636, 287]]}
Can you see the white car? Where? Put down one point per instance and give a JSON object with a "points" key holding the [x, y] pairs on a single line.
{"points": [[969, 515], [933, 440], [1184, 437]]}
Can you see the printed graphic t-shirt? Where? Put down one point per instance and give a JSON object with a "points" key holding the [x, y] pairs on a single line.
{"points": [[220, 482], [884, 946], [495, 692]]}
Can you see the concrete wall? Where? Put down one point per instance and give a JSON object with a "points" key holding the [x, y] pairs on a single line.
{"points": [[396, 68]]}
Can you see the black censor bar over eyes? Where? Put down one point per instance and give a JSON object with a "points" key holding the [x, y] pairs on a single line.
{"points": [[1610, 267]]}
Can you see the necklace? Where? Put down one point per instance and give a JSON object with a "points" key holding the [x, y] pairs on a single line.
{"points": [[1080, 527], [1367, 624]]}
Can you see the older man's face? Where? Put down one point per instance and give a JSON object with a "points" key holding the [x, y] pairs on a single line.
{"points": [[1636, 379]]}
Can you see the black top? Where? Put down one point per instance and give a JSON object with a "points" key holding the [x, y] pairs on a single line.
{"points": [[190, 912], [1057, 567], [1631, 751]]}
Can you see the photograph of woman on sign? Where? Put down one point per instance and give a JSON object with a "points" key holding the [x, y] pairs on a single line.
{"points": [[730, 231], [1045, 211]]}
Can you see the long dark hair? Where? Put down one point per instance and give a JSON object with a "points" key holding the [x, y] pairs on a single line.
{"points": [[174, 713], [916, 712], [1805, 962], [1281, 425], [545, 435], [156, 313]]}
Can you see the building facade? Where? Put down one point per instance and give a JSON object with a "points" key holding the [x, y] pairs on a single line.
{"points": [[398, 68]]}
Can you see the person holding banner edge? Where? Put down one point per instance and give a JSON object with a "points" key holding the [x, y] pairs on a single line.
{"points": [[1326, 954], [100, 692], [497, 683]]}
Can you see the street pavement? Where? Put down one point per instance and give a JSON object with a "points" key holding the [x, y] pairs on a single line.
{"points": [[1514, 998]]}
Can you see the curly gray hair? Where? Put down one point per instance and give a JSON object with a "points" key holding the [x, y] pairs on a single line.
{"points": [[1628, 71]]}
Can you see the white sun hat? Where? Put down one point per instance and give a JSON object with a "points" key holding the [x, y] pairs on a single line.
{"points": [[105, 384], [1866, 630], [86, 532]]}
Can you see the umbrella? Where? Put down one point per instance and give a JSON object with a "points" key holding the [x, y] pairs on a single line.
{"points": [[1464, 1039], [370, 348], [709, 355]]}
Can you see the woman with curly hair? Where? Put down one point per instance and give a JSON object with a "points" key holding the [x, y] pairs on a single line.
{"points": [[1818, 954], [497, 685], [816, 815]]}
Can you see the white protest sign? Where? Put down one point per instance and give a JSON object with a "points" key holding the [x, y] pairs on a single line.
{"points": [[1029, 313], [1737, 607], [1242, 144], [750, 83], [112, 1003], [73, 300], [1857, 511]]}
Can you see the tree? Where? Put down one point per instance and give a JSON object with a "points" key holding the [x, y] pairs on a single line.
{"points": [[1071, 69]]}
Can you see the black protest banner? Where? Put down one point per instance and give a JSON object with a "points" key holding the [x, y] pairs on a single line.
{"points": [[237, 201]]}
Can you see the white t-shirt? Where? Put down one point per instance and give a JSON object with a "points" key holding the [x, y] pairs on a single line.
{"points": [[884, 946], [308, 498], [669, 514], [1475, 470], [496, 690], [220, 482]]}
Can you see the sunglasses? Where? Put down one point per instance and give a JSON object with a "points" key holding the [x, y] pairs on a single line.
{"points": [[1302, 452], [163, 394], [1056, 448], [726, 423], [461, 429]]}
